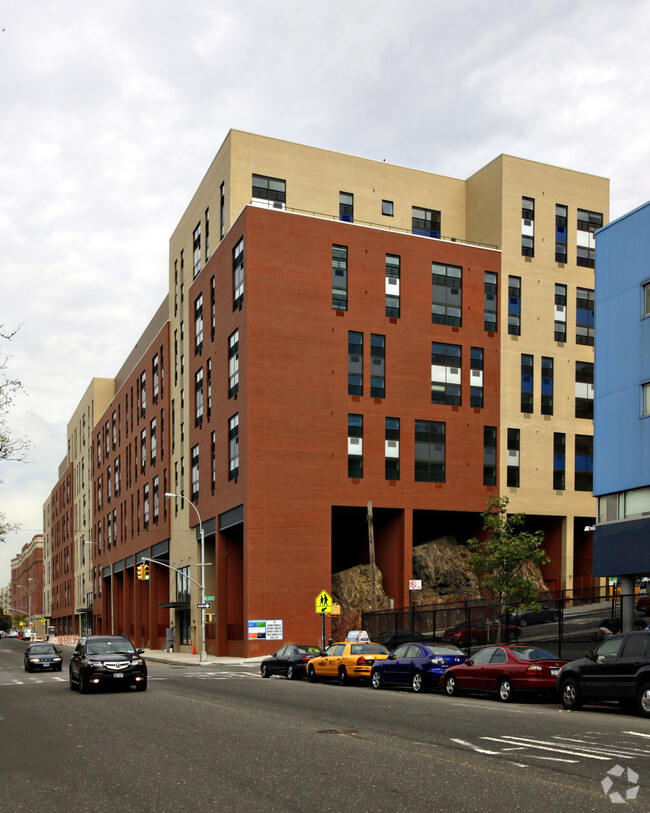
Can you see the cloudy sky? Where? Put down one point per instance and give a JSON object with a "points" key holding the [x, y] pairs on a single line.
{"points": [[112, 111]]}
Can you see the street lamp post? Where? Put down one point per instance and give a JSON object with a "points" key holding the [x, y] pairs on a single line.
{"points": [[29, 604], [29, 579], [203, 657]]}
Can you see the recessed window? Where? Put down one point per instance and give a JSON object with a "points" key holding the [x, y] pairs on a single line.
{"points": [[340, 278], [387, 208], [646, 398], [429, 452], [646, 299], [425, 222], [446, 294], [355, 446], [270, 192], [346, 207]]}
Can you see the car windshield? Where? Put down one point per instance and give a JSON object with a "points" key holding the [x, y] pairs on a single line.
{"points": [[368, 649], [530, 654], [444, 650], [42, 649], [309, 650], [109, 648]]}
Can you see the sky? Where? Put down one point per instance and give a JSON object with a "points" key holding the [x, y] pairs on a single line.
{"points": [[112, 112]]}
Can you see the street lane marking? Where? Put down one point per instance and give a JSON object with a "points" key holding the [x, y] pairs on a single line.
{"points": [[637, 734], [476, 748], [555, 749]]}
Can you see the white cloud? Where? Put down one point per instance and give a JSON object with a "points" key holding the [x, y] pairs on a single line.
{"points": [[112, 111]]}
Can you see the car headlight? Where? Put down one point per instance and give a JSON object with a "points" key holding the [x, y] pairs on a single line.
{"points": [[56, 660], [34, 660], [136, 662]]}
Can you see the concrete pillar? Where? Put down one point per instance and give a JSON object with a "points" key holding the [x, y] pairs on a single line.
{"points": [[627, 603], [567, 553]]}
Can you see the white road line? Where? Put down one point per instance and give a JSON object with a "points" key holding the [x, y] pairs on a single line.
{"points": [[553, 747], [637, 734], [475, 747], [620, 748]]}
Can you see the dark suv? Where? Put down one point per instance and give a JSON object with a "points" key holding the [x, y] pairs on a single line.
{"points": [[618, 669], [107, 660]]}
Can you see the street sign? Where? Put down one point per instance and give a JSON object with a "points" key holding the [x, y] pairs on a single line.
{"points": [[324, 603], [415, 584], [209, 598], [203, 606]]}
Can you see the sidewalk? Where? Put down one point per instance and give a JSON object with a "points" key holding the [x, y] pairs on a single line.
{"points": [[187, 659]]}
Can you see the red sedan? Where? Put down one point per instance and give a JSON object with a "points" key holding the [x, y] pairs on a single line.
{"points": [[505, 670]]}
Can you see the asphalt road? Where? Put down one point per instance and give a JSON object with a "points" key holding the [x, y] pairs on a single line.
{"points": [[221, 738]]}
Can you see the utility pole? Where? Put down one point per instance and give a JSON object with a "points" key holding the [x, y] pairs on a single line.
{"points": [[371, 546]]}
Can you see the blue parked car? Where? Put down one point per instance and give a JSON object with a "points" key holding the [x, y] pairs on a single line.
{"points": [[418, 665]]}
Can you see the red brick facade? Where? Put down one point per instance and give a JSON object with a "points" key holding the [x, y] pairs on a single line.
{"points": [[62, 562]]}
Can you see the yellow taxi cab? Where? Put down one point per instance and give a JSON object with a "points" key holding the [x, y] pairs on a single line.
{"points": [[346, 661]]}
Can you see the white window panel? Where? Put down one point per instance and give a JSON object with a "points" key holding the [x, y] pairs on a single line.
{"points": [[560, 313], [392, 286], [513, 457], [585, 239], [355, 446], [453, 375], [392, 448], [476, 378], [527, 228]]}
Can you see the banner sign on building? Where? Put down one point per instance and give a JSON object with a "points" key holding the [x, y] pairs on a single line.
{"points": [[265, 630]]}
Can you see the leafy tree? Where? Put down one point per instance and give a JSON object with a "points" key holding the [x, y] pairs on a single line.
{"points": [[500, 559], [11, 448]]}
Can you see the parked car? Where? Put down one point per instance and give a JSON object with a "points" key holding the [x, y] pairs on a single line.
{"points": [[481, 632], [505, 671], [12, 634], [618, 669], [643, 605], [107, 660], [290, 660], [538, 616], [418, 665], [346, 660], [393, 638], [43, 656]]}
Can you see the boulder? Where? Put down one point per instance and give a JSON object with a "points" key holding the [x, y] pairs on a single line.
{"points": [[443, 567], [352, 588]]}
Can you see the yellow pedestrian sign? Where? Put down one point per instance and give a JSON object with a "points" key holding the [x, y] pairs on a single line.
{"points": [[324, 602]]}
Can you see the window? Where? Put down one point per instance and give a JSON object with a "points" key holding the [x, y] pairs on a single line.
{"points": [[645, 401], [143, 451], [446, 294], [143, 394], [196, 245], [346, 207], [514, 306], [195, 473], [585, 389], [547, 386], [109, 484], [446, 363], [527, 227], [340, 278], [561, 220], [489, 455], [114, 428], [559, 460], [233, 364], [222, 211], [387, 208], [155, 378], [560, 313], [209, 387], [425, 222], [145, 502], [513, 458], [116, 469], [233, 447], [585, 316], [152, 436], [490, 302], [646, 299], [392, 448], [213, 457], [429, 452], [584, 462], [355, 446], [377, 366], [238, 274], [269, 191], [392, 285], [476, 377], [198, 397], [526, 383], [156, 499], [588, 223], [213, 310], [355, 363], [198, 323]]}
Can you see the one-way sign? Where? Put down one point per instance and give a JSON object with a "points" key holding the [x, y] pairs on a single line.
{"points": [[202, 606]]}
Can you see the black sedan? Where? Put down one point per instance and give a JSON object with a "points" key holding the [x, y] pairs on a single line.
{"points": [[538, 616], [43, 656], [107, 660], [290, 660], [416, 665]]}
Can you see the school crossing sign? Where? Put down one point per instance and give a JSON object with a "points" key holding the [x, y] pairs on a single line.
{"points": [[324, 603]]}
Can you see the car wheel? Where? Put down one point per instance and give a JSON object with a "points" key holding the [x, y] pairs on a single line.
{"points": [[451, 687], [344, 680], [643, 700], [291, 674], [556, 617], [376, 679], [505, 690], [570, 695], [417, 684], [311, 675], [83, 683], [473, 641], [142, 686], [264, 671]]}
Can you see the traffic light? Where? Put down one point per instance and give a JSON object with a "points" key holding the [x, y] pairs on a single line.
{"points": [[146, 572], [141, 570]]}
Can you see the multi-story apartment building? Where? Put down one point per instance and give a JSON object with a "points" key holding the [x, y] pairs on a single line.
{"points": [[26, 599], [59, 579], [130, 452], [622, 409], [341, 332]]}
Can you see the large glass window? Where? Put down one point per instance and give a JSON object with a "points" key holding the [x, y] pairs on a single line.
{"points": [[446, 371], [547, 386], [585, 304], [476, 377], [561, 220], [346, 207], [429, 451], [526, 383], [377, 366], [195, 473], [560, 313], [392, 285], [355, 446], [238, 274], [489, 455], [588, 223], [233, 363], [198, 397], [527, 227], [392, 448], [514, 306], [584, 463], [490, 302], [446, 294], [196, 245], [355, 363], [425, 221], [233, 447], [269, 191], [340, 278], [198, 323], [584, 389], [559, 461], [513, 458]]}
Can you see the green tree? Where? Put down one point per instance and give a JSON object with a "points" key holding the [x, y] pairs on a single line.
{"points": [[11, 448], [500, 559]]}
